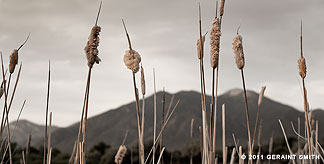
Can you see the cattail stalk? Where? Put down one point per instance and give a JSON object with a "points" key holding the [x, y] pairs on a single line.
{"points": [[223, 134], [7, 111], [162, 130], [241, 160], [154, 116], [46, 110], [162, 121], [302, 72], [239, 59], [284, 133], [49, 147], [203, 91], [91, 50], [191, 139], [233, 156], [259, 142], [214, 60], [13, 132], [258, 113], [28, 148], [132, 61], [143, 87]]}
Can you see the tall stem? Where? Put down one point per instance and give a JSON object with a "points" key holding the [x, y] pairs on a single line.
{"points": [[247, 115]]}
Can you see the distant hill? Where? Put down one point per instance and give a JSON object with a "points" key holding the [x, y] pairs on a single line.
{"points": [[110, 126], [24, 128]]}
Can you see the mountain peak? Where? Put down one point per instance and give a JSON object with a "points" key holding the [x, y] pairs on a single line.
{"points": [[239, 92], [234, 92]]}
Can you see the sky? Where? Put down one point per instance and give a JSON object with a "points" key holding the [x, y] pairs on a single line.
{"points": [[165, 35]]}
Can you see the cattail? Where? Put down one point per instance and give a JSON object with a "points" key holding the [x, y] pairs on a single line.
{"points": [[221, 9], [238, 51], [91, 49], [200, 47], [132, 60], [302, 67], [261, 96], [142, 81], [215, 34], [120, 154], [13, 60]]}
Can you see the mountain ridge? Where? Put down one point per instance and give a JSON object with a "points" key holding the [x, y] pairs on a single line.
{"points": [[176, 135]]}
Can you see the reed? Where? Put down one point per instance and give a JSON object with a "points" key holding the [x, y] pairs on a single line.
{"points": [[91, 50], [224, 135], [200, 49], [285, 136], [121, 151], [258, 113], [239, 59], [6, 112], [302, 73], [46, 111], [191, 139], [132, 60], [143, 87], [154, 117]]}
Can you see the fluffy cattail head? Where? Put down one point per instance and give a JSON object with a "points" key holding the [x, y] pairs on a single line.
{"points": [[142, 81], [261, 96], [120, 154], [302, 67], [221, 9], [132, 60], [91, 49], [200, 45], [13, 61], [215, 34], [238, 51]]}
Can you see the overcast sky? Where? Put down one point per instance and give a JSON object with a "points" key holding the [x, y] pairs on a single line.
{"points": [[165, 34]]}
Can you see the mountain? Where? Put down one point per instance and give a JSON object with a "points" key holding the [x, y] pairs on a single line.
{"points": [[110, 127], [25, 128]]}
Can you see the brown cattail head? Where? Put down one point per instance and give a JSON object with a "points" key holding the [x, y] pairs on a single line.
{"points": [[142, 81], [200, 45], [91, 49], [261, 95], [302, 67], [132, 60], [238, 51], [13, 60], [221, 9], [215, 34], [120, 154]]}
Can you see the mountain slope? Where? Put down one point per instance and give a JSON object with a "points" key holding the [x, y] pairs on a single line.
{"points": [[24, 129], [110, 126]]}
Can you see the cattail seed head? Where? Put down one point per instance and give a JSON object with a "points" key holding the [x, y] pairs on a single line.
{"points": [[91, 49], [132, 60], [221, 9], [13, 61], [261, 95], [302, 67], [238, 51], [200, 45], [215, 34], [142, 81], [120, 154]]}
